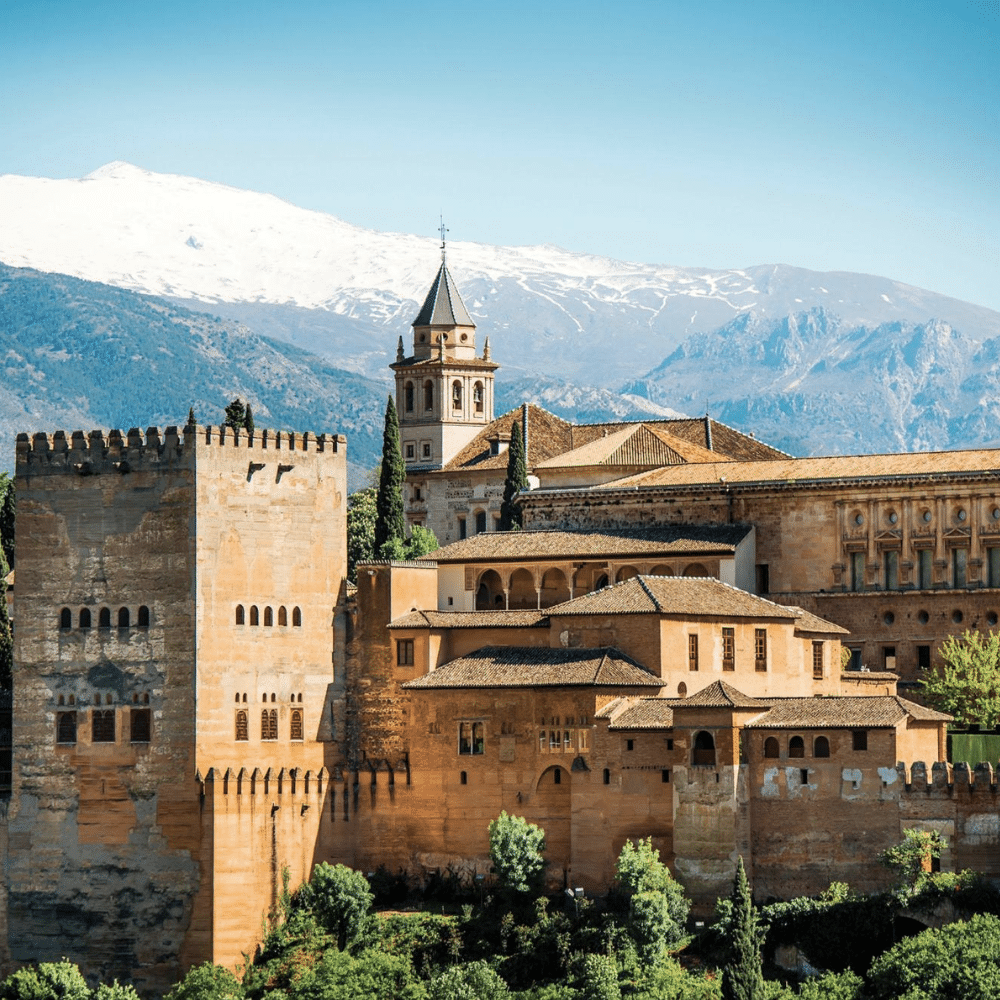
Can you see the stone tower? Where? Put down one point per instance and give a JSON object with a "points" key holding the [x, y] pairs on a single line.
{"points": [[444, 391]]}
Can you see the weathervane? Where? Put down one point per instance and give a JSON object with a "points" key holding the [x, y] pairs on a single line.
{"points": [[442, 230]]}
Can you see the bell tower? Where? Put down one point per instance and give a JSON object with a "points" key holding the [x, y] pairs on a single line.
{"points": [[444, 391]]}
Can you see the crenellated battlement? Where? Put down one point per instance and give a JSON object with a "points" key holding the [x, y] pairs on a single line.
{"points": [[96, 452], [948, 778]]}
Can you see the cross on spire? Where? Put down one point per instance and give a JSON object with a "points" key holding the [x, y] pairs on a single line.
{"points": [[442, 230]]}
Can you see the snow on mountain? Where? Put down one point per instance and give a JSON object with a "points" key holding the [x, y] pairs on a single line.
{"points": [[347, 292]]}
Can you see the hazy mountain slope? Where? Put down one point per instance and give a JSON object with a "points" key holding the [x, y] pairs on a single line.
{"points": [[812, 383], [548, 312], [78, 355]]}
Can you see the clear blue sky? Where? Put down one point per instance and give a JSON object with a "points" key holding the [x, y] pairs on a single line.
{"points": [[831, 135]]}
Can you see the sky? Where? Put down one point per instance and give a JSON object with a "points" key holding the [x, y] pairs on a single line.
{"points": [[853, 136]]}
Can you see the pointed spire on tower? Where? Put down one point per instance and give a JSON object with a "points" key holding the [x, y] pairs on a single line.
{"points": [[486, 350], [400, 355], [443, 232]]}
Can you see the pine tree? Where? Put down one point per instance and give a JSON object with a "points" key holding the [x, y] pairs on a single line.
{"points": [[7, 512], [389, 522], [743, 977], [248, 420], [191, 421], [511, 515], [235, 414]]}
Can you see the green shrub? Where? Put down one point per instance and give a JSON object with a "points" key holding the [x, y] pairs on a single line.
{"points": [[471, 981], [341, 899], [46, 981], [207, 982]]}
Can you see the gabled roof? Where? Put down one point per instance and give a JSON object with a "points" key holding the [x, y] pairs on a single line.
{"points": [[643, 713], [548, 435], [528, 666], [872, 711], [808, 622], [719, 694], [667, 540], [471, 619], [632, 445], [443, 305], [673, 595]]}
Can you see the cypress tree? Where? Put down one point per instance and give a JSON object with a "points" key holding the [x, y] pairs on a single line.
{"points": [[743, 976], [511, 516], [390, 524], [191, 421], [248, 420], [7, 513], [6, 635]]}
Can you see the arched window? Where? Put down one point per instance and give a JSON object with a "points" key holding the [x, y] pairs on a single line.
{"points": [[408, 397], [428, 395], [771, 748], [682, 690], [268, 617], [704, 749], [477, 397], [296, 725], [821, 747], [241, 618], [282, 615], [242, 727], [254, 615], [143, 616], [272, 725], [456, 395], [602, 582], [66, 727], [796, 747], [123, 618], [102, 726], [104, 618], [84, 617], [65, 618], [297, 617]]}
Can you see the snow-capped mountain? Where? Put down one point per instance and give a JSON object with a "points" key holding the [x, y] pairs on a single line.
{"points": [[348, 292]]}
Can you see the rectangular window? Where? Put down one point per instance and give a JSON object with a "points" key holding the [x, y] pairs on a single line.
{"points": [[554, 739], [102, 726], [692, 652], [630, 744], [859, 739], [584, 739], [140, 725], [404, 652], [410, 452], [763, 579], [66, 727], [888, 657], [923, 657], [855, 661], [665, 776], [463, 528], [857, 571], [959, 567], [993, 566], [891, 560], [728, 649], [924, 568], [427, 451], [542, 741], [817, 661], [567, 740], [760, 649], [465, 738]]}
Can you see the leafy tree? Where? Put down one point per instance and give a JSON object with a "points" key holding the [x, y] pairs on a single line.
{"points": [[46, 981], [248, 419], [361, 517], [511, 515], [599, 980], [390, 523], [207, 982], [117, 991], [649, 924], [471, 981], [236, 414], [517, 850], [911, 859], [743, 977], [422, 542], [966, 681], [957, 962], [339, 975], [341, 899], [640, 870], [7, 514]]}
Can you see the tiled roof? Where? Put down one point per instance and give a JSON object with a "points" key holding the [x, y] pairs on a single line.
{"points": [[873, 711], [548, 435], [880, 676], [800, 470], [632, 444], [471, 619], [719, 694], [525, 666], [645, 713], [674, 595], [443, 305], [808, 622], [522, 545]]}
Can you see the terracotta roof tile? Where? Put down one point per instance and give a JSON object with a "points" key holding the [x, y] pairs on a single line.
{"points": [[471, 619], [548, 435], [802, 470], [645, 713], [632, 445], [521, 545], [719, 694], [527, 666], [674, 595], [808, 622], [872, 711]]}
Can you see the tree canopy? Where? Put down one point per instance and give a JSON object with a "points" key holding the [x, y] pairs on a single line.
{"points": [[966, 681], [511, 515], [7, 514], [361, 516], [517, 850]]}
